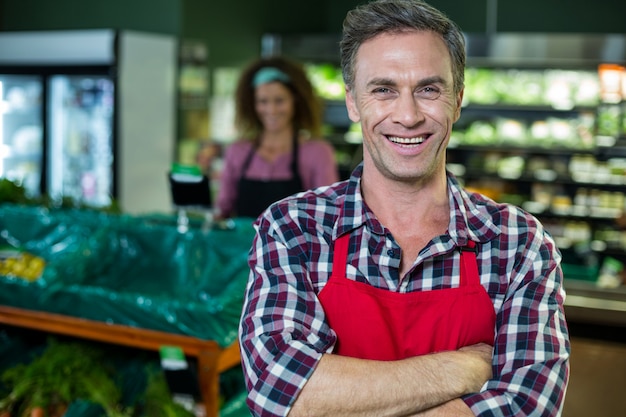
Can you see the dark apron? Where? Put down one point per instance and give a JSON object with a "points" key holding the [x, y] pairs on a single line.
{"points": [[254, 196]]}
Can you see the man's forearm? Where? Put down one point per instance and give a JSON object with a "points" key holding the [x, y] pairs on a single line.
{"points": [[355, 387]]}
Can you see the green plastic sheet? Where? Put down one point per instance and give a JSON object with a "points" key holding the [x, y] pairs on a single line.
{"points": [[131, 270]]}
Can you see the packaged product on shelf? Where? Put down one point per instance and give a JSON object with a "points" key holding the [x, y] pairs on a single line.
{"points": [[611, 273]]}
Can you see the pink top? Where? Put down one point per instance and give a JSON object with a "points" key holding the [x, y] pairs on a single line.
{"points": [[316, 164]]}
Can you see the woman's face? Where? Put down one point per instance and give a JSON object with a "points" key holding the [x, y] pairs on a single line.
{"points": [[274, 105]]}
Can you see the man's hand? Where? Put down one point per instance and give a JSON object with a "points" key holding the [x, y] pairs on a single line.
{"points": [[479, 365]]}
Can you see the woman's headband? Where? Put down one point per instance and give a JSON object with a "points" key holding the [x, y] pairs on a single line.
{"points": [[267, 75]]}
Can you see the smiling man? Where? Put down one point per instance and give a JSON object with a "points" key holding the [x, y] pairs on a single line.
{"points": [[397, 292]]}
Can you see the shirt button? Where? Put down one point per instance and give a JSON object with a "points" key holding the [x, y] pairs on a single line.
{"points": [[390, 252]]}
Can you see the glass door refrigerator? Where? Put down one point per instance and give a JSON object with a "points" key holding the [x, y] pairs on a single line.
{"points": [[80, 151], [89, 116], [21, 130]]}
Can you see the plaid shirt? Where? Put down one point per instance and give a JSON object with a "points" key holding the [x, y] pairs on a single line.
{"points": [[284, 333]]}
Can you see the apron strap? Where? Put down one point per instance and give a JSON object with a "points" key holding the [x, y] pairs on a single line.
{"points": [[340, 255], [469, 266], [295, 171], [294, 155], [244, 168]]}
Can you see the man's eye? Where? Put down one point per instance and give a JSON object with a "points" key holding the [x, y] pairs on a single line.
{"points": [[428, 93], [382, 90]]}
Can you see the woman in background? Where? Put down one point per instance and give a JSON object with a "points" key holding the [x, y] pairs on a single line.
{"points": [[280, 151]]}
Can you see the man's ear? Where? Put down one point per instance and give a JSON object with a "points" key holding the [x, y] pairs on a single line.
{"points": [[353, 111], [459, 101]]}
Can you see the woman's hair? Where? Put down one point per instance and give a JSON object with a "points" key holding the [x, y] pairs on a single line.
{"points": [[307, 111], [395, 16]]}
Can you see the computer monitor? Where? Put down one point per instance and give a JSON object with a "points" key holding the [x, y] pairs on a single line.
{"points": [[190, 191]]}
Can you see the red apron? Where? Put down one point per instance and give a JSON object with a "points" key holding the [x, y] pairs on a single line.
{"points": [[373, 323]]}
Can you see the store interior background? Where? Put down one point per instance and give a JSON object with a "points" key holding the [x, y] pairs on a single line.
{"points": [[218, 38], [231, 33]]}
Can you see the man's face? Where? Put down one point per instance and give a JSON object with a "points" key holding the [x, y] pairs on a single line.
{"points": [[404, 98]]}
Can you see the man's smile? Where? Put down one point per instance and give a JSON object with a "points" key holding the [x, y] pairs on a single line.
{"points": [[406, 141]]}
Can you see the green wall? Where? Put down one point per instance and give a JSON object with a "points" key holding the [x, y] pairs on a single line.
{"points": [[582, 16], [160, 16], [232, 29]]}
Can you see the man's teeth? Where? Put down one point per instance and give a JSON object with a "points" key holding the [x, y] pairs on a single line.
{"points": [[406, 141]]}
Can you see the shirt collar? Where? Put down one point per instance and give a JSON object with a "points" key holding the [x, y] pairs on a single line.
{"points": [[354, 211], [470, 217]]}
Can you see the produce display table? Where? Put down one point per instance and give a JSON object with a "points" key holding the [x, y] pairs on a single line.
{"points": [[212, 359], [130, 281]]}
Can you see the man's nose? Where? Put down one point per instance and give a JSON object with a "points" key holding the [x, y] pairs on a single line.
{"points": [[407, 110]]}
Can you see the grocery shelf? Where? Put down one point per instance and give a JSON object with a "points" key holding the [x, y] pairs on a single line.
{"points": [[508, 109], [587, 303], [511, 148]]}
